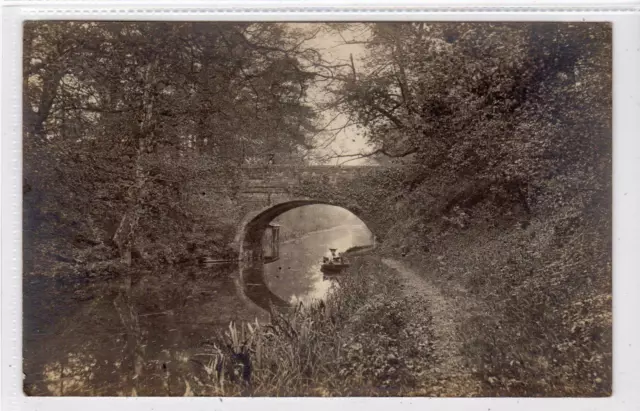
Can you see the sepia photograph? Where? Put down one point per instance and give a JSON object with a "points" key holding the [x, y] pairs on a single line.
{"points": [[317, 209]]}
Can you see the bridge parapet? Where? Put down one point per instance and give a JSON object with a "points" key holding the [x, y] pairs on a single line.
{"points": [[281, 176], [256, 187], [298, 170]]}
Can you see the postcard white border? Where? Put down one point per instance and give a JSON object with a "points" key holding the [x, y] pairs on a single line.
{"points": [[625, 17]]}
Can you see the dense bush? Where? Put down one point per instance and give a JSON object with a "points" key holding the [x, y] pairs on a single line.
{"points": [[502, 135]]}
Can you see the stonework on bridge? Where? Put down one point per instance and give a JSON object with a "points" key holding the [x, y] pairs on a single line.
{"points": [[285, 179], [265, 185], [266, 192], [258, 188], [261, 194]]}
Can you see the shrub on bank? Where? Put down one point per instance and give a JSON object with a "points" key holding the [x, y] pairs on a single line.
{"points": [[360, 341], [539, 296]]}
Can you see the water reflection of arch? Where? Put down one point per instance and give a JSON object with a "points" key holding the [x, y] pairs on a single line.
{"points": [[251, 281]]}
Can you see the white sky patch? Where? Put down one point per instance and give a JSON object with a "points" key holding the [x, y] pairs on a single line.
{"points": [[331, 45]]}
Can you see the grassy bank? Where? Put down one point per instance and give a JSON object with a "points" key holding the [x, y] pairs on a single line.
{"points": [[538, 298], [365, 339]]}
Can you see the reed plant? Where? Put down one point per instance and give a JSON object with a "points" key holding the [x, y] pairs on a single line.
{"points": [[312, 349]]}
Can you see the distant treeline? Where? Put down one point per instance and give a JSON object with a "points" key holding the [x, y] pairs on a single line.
{"points": [[303, 220]]}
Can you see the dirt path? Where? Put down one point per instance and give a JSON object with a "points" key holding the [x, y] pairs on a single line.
{"points": [[451, 376]]}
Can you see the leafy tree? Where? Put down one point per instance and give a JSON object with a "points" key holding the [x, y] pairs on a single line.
{"points": [[506, 105], [504, 134], [120, 116]]}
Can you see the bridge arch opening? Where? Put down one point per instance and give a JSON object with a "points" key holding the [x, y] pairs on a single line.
{"points": [[251, 281]]}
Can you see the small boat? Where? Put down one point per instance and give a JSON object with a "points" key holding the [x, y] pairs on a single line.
{"points": [[335, 264]]}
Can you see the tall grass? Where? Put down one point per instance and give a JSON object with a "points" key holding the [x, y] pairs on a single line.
{"points": [[317, 349], [297, 353]]}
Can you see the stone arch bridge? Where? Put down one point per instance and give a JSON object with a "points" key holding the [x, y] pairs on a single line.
{"points": [[265, 192]]}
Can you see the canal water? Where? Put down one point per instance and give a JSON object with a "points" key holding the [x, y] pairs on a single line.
{"points": [[76, 346], [296, 276], [74, 342]]}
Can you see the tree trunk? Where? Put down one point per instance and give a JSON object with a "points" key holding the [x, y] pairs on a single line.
{"points": [[124, 238]]}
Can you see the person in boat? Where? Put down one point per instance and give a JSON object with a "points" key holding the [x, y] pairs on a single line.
{"points": [[329, 258]]}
